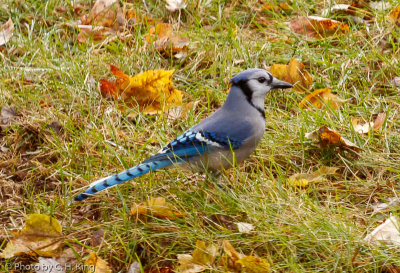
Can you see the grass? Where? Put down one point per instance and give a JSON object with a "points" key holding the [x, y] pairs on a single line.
{"points": [[50, 79]]}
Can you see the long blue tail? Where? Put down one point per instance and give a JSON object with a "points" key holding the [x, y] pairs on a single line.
{"points": [[122, 177]]}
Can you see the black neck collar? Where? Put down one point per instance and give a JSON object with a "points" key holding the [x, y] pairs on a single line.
{"points": [[243, 85]]}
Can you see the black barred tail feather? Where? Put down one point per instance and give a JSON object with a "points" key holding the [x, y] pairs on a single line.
{"points": [[122, 177]]}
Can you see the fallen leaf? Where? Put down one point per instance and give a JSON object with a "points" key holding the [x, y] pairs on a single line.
{"points": [[276, 8], [156, 207], [96, 265], [322, 97], [388, 233], [202, 258], [174, 5], [244, 227], [317, 27], [251, 264], [242, 263], [304, 179], [165, 40], [104, 20], [95, 33], [6, 32], [41, 235], [394, 16], [231, 252], [328, 138], [294, 73], [152, 91], [135, 18], [366, 127], [106, 13]]}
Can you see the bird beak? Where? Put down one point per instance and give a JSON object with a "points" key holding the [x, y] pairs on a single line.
{"points": [[276, 84]]}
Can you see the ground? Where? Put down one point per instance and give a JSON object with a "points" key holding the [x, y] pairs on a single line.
{"points": [[64, 135]]}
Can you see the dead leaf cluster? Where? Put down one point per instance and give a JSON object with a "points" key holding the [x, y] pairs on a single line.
{"points": [[42, 237], [205, 257], [107, 21]]}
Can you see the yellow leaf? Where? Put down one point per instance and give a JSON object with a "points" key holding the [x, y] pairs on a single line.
{"points": [[41, 235], [157, 207], [231, 252], [204, 254], [165, 40], [320, 97], [251, 264], [394, 16], [187, 265], [303, 179], [294, 73], [152, 91], [202, 257], [96, 265]]}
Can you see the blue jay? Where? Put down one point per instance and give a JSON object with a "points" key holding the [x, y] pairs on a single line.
{"points": [[229, 135]]}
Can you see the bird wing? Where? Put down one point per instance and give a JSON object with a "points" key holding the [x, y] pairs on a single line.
{"points": [[194, 143]]}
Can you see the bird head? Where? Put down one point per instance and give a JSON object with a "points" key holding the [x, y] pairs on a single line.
{"points": [[256, 83]]}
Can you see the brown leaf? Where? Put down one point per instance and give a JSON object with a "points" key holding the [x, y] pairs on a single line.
{"points": [[6, 32], [322, 97], [106, 13], [95, 33], [156, 207], [328, 138], [165, 40], [41, 235], [317, 27], [152, 91], [394, 16], [97, 265], [294, 73]]}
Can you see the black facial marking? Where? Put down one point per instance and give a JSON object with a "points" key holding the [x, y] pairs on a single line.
{"points": [[270, 79], [244, 86]]}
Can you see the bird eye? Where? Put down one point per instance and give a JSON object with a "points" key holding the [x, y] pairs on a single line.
{"points": [[261, 80]]}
